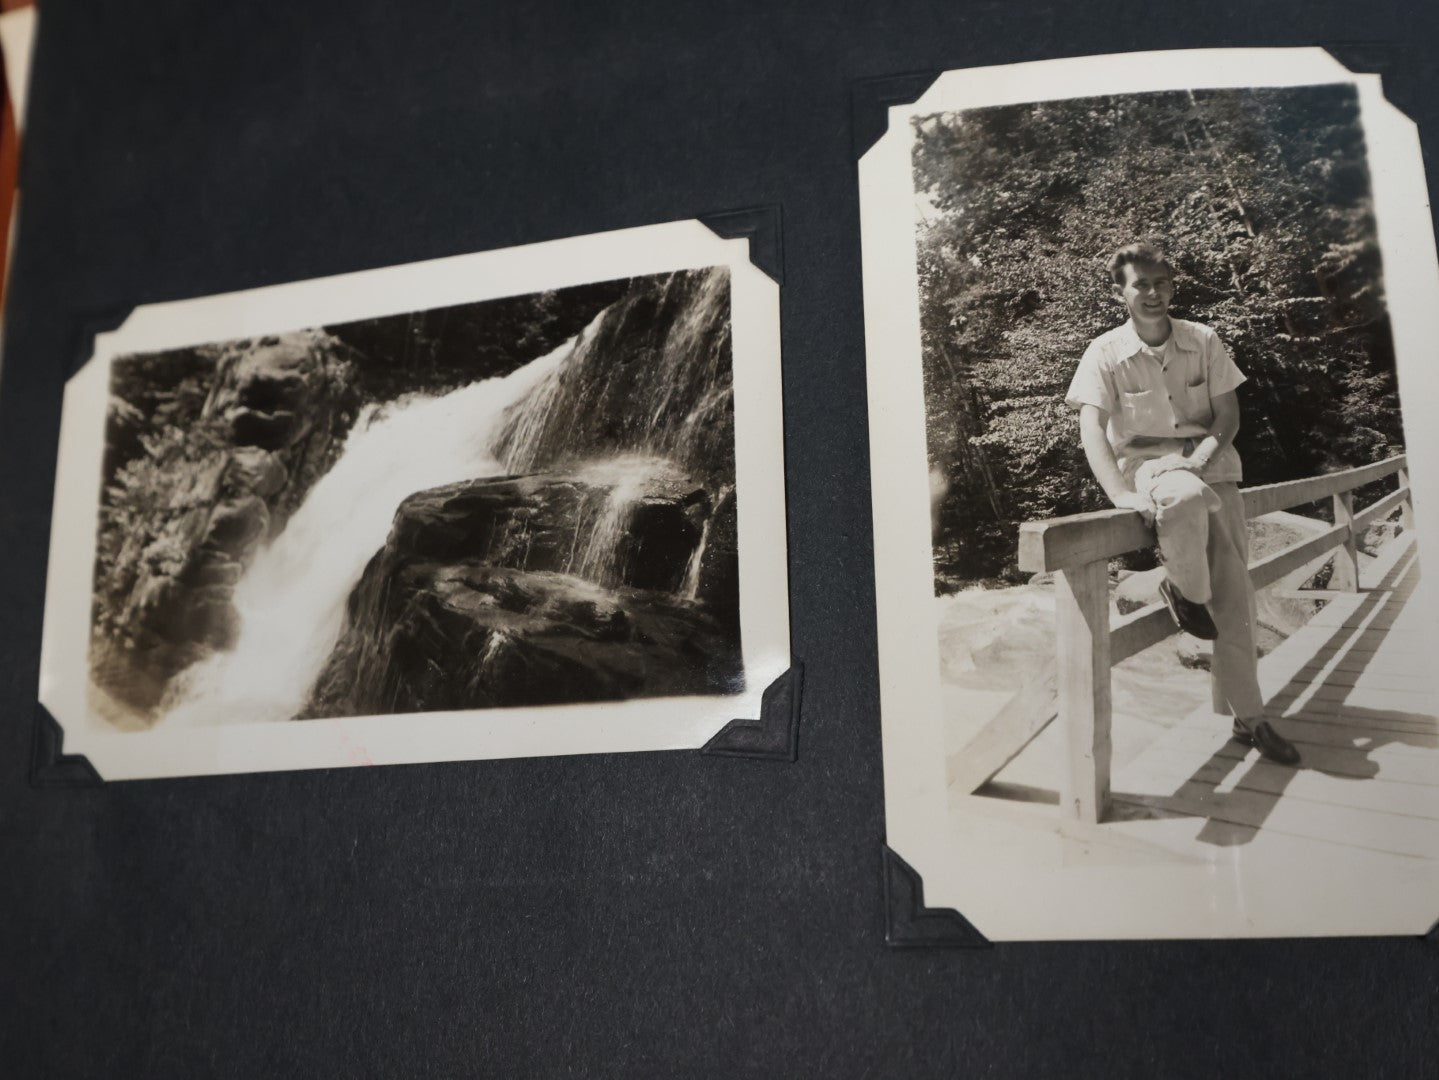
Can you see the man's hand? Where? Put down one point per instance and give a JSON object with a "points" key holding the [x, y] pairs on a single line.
{"points": [[1171, 462], [1141, 504]]}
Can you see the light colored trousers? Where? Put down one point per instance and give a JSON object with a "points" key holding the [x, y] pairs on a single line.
{"points": [[1205, 545]]}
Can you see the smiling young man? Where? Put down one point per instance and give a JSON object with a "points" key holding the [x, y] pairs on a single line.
{"points": [[1158, 412]]}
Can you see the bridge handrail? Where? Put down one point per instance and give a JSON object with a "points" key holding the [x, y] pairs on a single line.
{"points": [[1057, 543], [1077, 548]]}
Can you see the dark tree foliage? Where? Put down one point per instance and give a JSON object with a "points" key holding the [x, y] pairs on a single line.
{"points": [[151, 393], [445, 348], [1262, 199]]}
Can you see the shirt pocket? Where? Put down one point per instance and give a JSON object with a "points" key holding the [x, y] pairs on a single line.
{"points": [[1144, 413], [1198, 408]]}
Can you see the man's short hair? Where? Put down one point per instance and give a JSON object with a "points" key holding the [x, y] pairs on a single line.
{"points": [[1143, 252]]}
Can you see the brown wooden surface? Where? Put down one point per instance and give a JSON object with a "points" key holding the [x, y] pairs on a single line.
{"points": [[1345, 575], [999, 742], [1383, 508], [1273, 567], [1080, 538], [1353, 690], [1082, 623], [1270, 497]]}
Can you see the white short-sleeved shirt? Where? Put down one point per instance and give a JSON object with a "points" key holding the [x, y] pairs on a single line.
{"points": [[1156, 399]]}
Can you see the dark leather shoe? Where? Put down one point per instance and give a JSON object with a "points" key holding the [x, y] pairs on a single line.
{"points": [[1190, 617], [1267, 741]]}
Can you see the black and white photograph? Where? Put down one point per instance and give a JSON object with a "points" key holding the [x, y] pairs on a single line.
{"points": [[516, 503], [1178, 631]]}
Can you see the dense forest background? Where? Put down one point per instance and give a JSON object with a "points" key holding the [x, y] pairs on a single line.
{"points": [[1261, 197]]}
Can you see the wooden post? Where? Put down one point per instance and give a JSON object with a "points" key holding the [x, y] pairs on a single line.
{"points": [[1346, 559], [1081, 596], [1406, 510]]}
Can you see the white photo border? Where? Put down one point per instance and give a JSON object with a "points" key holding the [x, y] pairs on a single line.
{"points": [[1228, 896], [670, 723]]}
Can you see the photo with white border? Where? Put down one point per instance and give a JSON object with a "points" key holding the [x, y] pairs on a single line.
{"points": [[515, 503], [1036, 791]]}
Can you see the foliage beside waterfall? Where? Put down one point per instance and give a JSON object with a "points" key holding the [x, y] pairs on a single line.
{"points": [[445, 348]]}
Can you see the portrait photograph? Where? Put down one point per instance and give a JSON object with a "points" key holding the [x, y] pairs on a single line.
{"points": [[519, 523], [1148, 542]]}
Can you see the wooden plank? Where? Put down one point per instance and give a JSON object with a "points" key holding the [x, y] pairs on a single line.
{"points": [[1061, 543], [1345, 576], [1352, 763], [1081, 597], [1380, 510], [1410, 703], [1269, 497], [1396, 834], [1382, 621], [1068, 541], [1163, 769], [1012, 729], [1372, 618], [1301, 731], [1335, 713], [1274, 567], [1406, 514], [1138, 630], [1407, 707], [1357, 663], [1361, 674]]}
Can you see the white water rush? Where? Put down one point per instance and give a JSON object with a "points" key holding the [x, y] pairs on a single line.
{"points": [[291, 601]]}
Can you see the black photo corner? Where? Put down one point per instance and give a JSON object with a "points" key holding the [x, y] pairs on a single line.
{"points": [[614, 914]]}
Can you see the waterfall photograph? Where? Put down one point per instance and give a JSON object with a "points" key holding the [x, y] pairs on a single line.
{"points": [[512, 502]]}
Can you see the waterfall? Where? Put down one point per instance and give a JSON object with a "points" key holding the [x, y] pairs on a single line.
{"points": [[691, 588], [291, 601], [655, 380], [640, 399], [622, 482]]}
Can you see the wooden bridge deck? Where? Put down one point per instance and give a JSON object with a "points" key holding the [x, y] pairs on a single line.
{"points": [[1354, 690]]}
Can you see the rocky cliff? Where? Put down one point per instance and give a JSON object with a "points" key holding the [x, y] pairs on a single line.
{"points": [[188, 508]]}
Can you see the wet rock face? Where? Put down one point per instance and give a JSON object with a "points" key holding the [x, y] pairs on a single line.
{"points": [[429, 636], [718, 582], [235, 528], [476, 601], [256, 472], [662, 538], [270, 426], [545, 523]]}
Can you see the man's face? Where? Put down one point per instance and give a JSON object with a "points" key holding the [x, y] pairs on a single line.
{"points": [[1147, 291]]}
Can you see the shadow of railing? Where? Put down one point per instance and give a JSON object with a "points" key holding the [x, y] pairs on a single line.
{"points": [[1334, 738]]}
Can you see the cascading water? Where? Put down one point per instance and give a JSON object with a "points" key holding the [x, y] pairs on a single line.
{"points": [[291, 601], [677, 412], [641, 399], [621, 483], [691, 587], [654, 380]]}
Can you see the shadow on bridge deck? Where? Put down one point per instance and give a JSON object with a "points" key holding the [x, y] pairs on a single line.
{"points": [[1353, 690]]}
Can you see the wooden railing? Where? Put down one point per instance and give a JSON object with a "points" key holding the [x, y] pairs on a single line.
{"points": [[1077, 549]]}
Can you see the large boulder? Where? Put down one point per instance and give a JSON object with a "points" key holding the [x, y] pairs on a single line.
{"points": [[485, 595], [551, 523], [428, 636]]}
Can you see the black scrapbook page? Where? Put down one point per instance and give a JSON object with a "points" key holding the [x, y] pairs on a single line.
{"points": [[477, 534]]}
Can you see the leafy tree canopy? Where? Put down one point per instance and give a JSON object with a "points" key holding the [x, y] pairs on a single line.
{"points": [[1262, 199]]}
